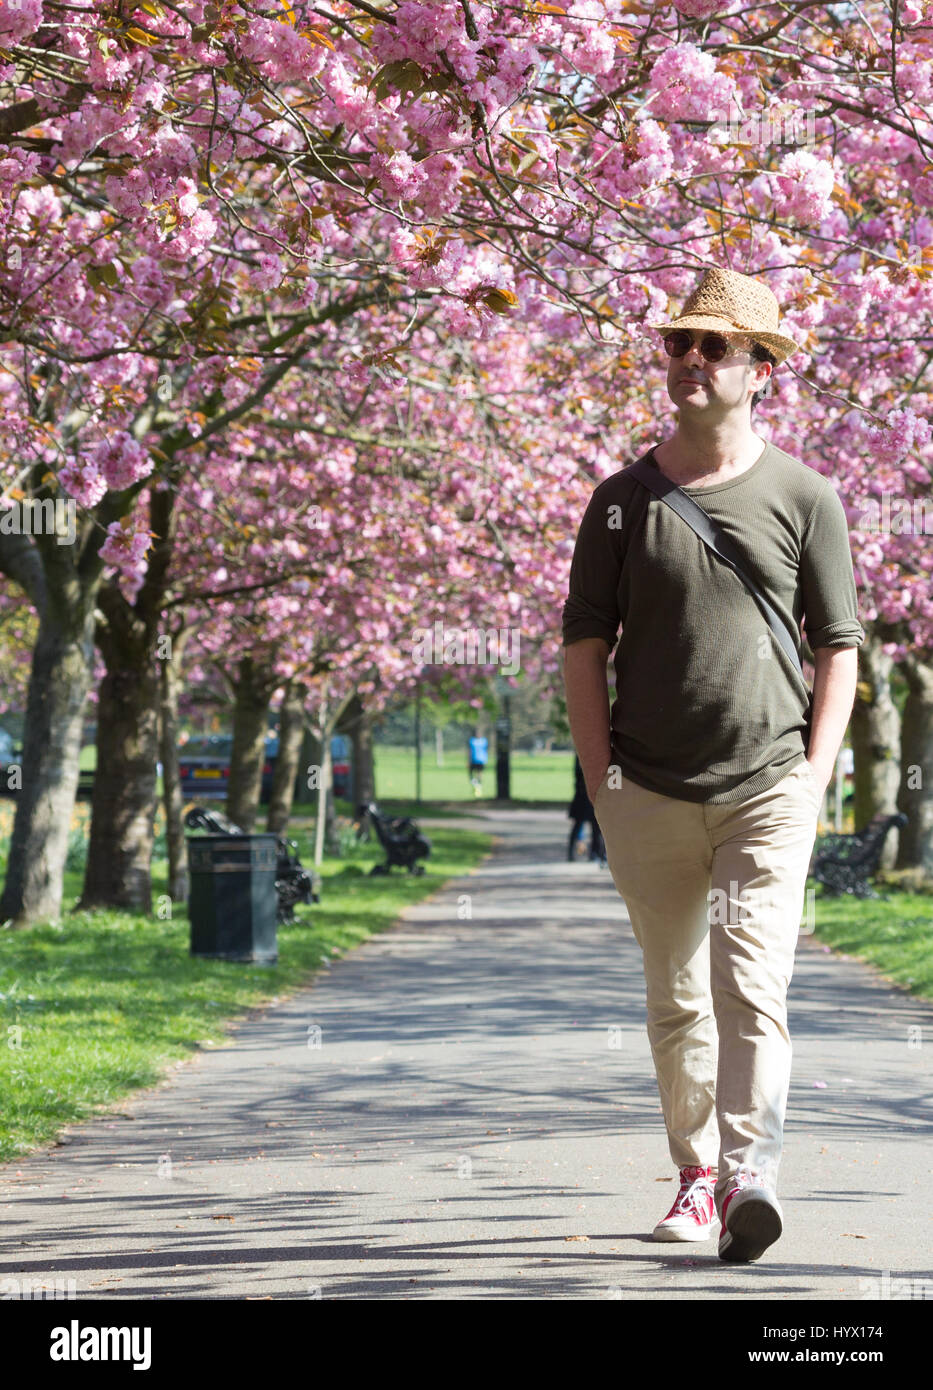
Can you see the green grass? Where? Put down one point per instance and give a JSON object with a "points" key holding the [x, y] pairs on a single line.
{"points": [[105, 1001], [894, 934], [534, 777]]}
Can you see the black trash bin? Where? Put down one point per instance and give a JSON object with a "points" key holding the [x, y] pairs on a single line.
{"points": [[232, 899]]}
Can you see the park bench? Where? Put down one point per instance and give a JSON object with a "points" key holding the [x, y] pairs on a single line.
{"points": [[845, 863], [400, 837], [293, 884]]}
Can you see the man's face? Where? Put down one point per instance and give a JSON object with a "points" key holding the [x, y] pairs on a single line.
{"points": [[695, 384]]}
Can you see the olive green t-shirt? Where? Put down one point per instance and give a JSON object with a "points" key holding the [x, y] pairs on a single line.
{"points": [[708, 705]]}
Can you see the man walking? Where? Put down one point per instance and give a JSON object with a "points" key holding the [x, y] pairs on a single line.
{"points": [[708, 776]]}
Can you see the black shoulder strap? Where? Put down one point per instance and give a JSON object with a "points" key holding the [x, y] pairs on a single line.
{"points": [[698, 520]]}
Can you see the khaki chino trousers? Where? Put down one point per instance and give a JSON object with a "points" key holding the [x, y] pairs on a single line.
{"points": [[715, 894]]}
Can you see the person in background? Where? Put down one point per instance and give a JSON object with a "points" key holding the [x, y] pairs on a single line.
{"points": [[479, 756], [580, 812]]}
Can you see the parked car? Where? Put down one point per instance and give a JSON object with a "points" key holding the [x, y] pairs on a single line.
{"points": [[204, 767]]}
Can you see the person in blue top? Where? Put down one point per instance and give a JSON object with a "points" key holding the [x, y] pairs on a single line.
{"points": [[479, 756]]}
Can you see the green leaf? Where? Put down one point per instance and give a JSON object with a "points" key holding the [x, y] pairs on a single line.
{"points": [[403, 74], [500, 301]]}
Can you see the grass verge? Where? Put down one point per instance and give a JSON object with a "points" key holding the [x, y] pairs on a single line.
{"points": [[893, 933], [102, 1003]]}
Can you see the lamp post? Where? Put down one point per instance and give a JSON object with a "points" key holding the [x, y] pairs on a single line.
{"points": [[503, 741], [418, 742]]}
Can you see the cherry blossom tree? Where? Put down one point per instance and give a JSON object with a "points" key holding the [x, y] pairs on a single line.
{"points": [[211, 211]]}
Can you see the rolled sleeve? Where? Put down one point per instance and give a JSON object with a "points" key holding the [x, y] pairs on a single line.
{"points": [[830, 601], [591, 608]]}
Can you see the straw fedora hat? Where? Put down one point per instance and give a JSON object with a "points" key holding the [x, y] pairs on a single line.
{"points": [[726, 301]]}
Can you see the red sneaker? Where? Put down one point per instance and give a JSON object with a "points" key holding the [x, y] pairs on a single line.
{"points": [[751, 1217], [693, 1213]]}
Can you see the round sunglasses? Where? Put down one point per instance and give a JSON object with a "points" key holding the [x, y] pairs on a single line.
{"points": [[713, 346]]}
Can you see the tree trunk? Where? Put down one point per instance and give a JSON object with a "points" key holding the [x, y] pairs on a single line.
{"points": [[915, 797], [357, 724], [875, 731], [364, 772], [64, 583], [309, 758], [253, 693], [59, 684], [291, 737], [119, 864], [172, 799]]}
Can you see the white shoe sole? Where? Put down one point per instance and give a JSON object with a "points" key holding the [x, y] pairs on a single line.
{"points": [[753, 1222], [685, 1233]]}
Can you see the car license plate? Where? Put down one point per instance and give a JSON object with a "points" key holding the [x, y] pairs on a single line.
{"points": [[207, 772]]}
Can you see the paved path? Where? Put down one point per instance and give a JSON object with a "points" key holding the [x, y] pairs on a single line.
{"points": [[486, 1082]]}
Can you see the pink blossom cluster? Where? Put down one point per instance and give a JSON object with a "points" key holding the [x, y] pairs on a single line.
{"points": [[16, 166], [686, 85], [440, 192], [704, 9], [121, 459], [125, 549], [399, 175], [429, 261], [494, 68], [802, 187], [268, 272], [594, 51], [77, 132], [116, 462], [85, 482], [280, 47], [915, 67], [627, 170], [19, 19], [128, 193], [422, 31], [904, 432], [913, 12]]}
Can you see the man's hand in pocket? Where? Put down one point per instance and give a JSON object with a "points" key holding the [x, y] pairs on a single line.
{"points": [[593, 786]]}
